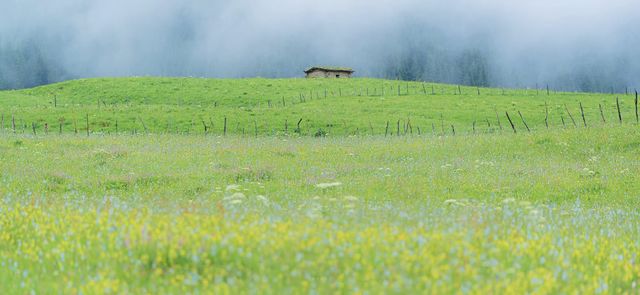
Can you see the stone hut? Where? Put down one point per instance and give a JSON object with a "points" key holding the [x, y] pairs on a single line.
{"points": [[328, 72]]}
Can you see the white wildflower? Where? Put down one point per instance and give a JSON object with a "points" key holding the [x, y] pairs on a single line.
{"points": [[328, 185], [450, 202]]}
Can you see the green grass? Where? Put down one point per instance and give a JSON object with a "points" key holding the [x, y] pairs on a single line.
{"points": [[548, 211], [351, 106]]}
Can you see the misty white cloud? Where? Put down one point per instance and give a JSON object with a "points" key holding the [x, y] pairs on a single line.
{"points": [[526, 42]]}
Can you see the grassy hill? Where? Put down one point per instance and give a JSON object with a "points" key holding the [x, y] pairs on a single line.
{"points": [[542, 212], [274, 106]]}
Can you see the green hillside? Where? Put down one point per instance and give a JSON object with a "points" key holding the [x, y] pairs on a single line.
{"points": [[274, 106], [550, 212]]}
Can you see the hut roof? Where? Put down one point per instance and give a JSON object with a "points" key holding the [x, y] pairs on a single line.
{"points": [[331, 69]]}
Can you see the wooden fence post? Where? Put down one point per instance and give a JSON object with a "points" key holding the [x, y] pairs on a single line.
{"points": [[584, 121], [386, 129], [225, 126], [511, 122], [255, 125], [602, 114], [87, 125], [619, 113], [205, 126], [570, 116], [546, 114], [298, 130], [636, 104], [523, 121], [146, 131], [498, 118]]}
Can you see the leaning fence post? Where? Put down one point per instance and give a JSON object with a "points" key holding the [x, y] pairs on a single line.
{"points": [[570, 116], [523, 121], [298, 130], [146, 131], [584, 121], [618, 106], [511, 122], [602, 114], [205, 126]]}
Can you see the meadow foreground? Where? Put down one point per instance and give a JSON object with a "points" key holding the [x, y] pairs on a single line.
{"points": [[546, 212]]}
